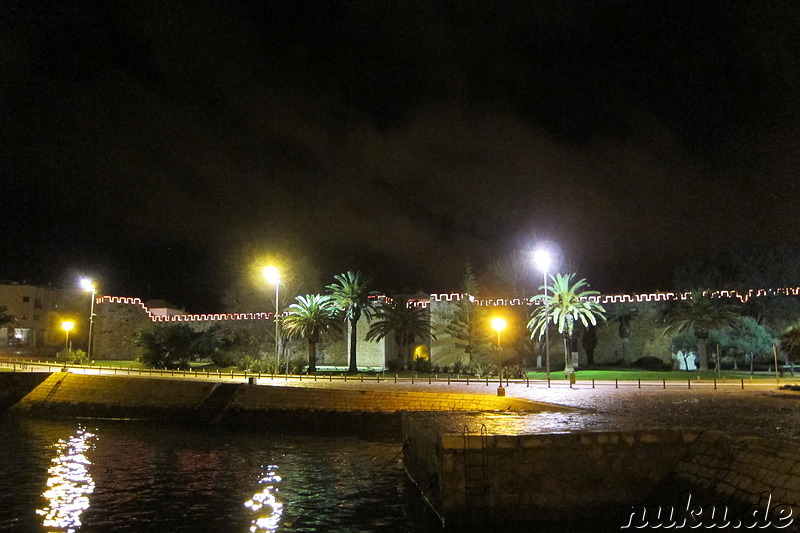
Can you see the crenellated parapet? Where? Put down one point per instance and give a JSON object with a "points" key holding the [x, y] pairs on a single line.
{"points": [[453, 297], [183, 317]]}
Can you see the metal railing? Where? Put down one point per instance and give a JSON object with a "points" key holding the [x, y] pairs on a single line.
{"points": [[21, 365]]}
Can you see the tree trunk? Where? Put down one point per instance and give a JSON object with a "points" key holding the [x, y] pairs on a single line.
{"points": [[353, 339], [626, 351], [312, 357], [568, 368], [702, 354]]}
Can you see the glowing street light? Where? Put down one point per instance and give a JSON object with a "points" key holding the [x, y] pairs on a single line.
{"points": [[87, 285], [499, 324], [542, 259], [273, 277], [67, 326]]}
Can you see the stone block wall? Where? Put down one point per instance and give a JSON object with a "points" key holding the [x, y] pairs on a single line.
{"points": [[594, 475], [738, 468]]}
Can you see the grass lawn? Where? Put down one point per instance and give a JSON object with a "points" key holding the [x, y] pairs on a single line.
{"points": [[119, 364], [609, 374], [628, 374]]}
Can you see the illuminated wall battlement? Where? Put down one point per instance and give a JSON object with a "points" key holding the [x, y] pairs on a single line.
{"points": [[186, 317], [742, 297]]}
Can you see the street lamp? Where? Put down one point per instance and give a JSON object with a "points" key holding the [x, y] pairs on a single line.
{"points": [[499, 324], [272, 276], [67, 326], [542, 259], [88, 286]]}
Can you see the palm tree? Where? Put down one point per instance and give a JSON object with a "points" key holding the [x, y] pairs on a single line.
{"points": [[624, 314], [8, 321], [699, 315], [350, 294], [790, 342], [566, 303], [6, 318], [407, 324], [309, 317]]}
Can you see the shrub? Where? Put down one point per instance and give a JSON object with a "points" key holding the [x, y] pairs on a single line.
{"points": [[75, 357], [224, 359], [393, 365], [651, 363], [422, 365], [514, 371]]}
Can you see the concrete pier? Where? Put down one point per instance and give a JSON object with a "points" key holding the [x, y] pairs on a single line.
{"points": [[245, 404], [473, 476]]}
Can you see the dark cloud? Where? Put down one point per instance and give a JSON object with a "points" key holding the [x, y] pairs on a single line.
{"points": [[159, 144]]}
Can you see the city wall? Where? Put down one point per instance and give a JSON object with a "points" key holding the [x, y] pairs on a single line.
{"points": [[118, 318]]}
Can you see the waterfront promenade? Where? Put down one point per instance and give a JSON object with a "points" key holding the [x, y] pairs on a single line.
{"points": [[736, 406]]}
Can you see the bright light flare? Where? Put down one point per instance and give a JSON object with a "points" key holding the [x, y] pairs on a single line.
{"points": [[272, 275], [499, 324], [67, 325], [542, 259], [86, 284]]}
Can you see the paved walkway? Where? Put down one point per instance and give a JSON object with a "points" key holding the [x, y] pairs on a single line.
{"points": [[759, 409]]}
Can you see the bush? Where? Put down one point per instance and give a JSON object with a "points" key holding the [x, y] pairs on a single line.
{"points": [[73, 357], [297, 365], [651, 363], [514, 371], [422, 365], [224, 359], [479, 369], [169, 346], [258, 366], [393, 365]]}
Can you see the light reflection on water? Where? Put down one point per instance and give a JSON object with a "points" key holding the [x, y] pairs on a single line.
{"points": [[267, 497], [69, 484], [140, 476]]}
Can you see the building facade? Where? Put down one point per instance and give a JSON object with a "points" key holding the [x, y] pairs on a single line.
{"points": [[40, 311]]}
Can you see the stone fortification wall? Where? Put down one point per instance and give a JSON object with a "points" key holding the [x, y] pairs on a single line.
{"points": [[118, 318], [114, 324], [647, 338]]}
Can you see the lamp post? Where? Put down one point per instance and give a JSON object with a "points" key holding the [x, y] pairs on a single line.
{"points": [[67, 326], [542, 259], [272, 276], [499, 324], [88, 286]]}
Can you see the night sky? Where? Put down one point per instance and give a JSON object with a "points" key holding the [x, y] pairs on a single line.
{"points": [[159, 145]]}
